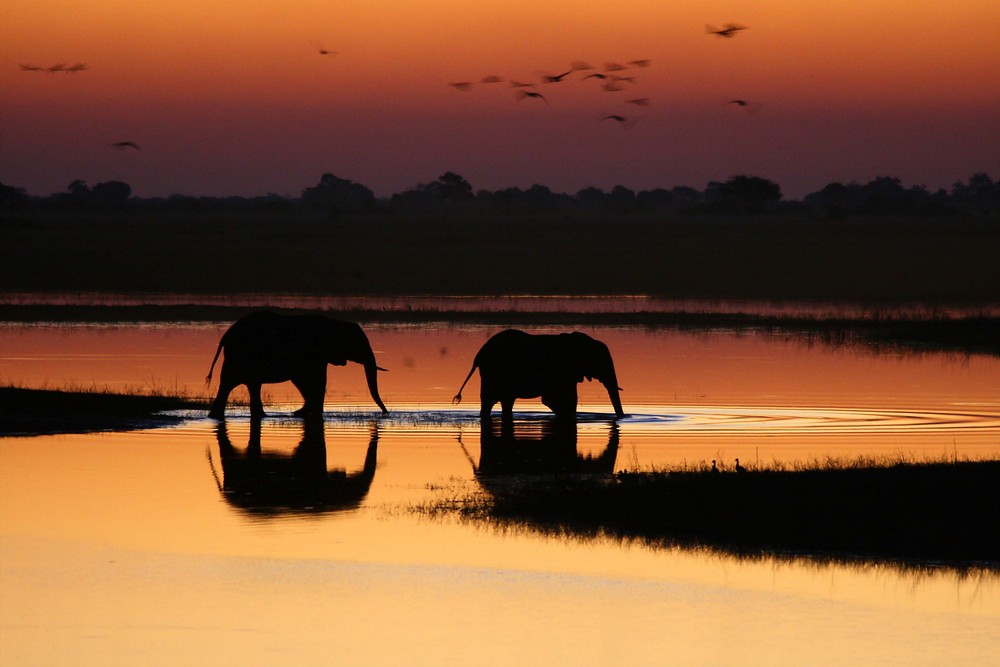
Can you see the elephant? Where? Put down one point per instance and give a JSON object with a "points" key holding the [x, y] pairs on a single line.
{"points": [[266, 347], [514, 364], [540, 447], [262, 483]]}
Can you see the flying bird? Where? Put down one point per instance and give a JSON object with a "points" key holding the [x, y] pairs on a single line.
{"points": [[625, 121], [524, 94], [555, 78], [739, 103], [492, 78], [639, 101], [58, 67], [463, 86], [122, 145], [644, 62], [79, 67], [727, 31], [614, 67], [31, 68]]}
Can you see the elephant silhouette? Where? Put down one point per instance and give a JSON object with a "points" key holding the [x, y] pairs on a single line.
{"points": [[514, 364], [266, 347], [263, 483], [539, 447]]}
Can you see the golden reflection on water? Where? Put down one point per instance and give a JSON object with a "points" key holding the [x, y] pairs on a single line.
{"points": [[115, 543], [144, 548]]}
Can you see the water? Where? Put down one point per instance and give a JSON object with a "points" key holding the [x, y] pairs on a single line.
{"points": [[144, 547]]}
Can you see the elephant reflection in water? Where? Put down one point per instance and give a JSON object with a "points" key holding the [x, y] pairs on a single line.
{"points": [[539, 447], [272, 483]]}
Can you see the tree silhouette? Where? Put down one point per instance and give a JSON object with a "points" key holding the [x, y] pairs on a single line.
{"points": [[338, 195]]}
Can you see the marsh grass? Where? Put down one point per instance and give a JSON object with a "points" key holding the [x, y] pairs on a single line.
{"points": [[26, 411], [864, 509]]}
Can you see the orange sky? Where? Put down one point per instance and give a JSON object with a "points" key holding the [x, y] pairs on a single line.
{"points": [[227, 100]]}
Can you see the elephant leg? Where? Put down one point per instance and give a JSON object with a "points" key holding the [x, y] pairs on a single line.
{"points": [[507, 408], [562, 400], [256, 404], [226, 386], [486, 402], [312, 386]]}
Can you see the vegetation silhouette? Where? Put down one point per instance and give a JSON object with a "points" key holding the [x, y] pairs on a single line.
{"points": [[868, 511], [735, 240], [513, 364], [260, 482], [267, 347]]}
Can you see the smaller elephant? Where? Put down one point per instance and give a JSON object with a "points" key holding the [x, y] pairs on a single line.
{"points": [[514, 364], [265, 348]]}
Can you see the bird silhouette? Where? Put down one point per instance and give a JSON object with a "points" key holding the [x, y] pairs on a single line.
{"points": [[79, 67], [639, 101], [31, 68], [643, 62], [614, 67], [463, 86], [556, 78], [491, 78], [715, 468], [58, 67], [739, 103], [122, 145], [727, 31], [524, 94], [520, 84], [625, 121], [739, 468]]}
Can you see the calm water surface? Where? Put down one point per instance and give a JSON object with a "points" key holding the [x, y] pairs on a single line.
{"points": [[153, 547]]}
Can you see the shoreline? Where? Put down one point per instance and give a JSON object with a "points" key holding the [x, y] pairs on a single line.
{"points": [[29, 412]]}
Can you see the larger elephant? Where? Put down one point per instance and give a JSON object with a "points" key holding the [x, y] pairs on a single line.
{"points": [[514, 364], [266, 347]]}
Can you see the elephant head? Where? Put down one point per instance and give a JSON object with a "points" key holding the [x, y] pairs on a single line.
{"points": [[590, 359], [347, 342]]}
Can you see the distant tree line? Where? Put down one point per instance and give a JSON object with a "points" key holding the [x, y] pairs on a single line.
{"points": [[451, 193]]}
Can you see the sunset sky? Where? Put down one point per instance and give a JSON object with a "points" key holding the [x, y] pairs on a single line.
{"points": [[227, 97]]}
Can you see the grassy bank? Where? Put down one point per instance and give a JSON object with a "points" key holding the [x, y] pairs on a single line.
{"points": [[43, 411], [876, 261], [937, 512]]}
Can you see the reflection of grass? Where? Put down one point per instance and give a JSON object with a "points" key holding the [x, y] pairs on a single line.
{"points": [[38, 411], [900, 511]]}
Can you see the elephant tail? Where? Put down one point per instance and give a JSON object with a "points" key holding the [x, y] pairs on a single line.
{"points": [[458, 396], [208, 378]]}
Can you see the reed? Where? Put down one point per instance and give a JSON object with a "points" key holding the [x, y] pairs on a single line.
{"points": [[894, 509], [26, 411]]}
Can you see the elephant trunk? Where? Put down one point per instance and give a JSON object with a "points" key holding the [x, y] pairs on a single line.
{"points": [[371, 374], [616, 402]]}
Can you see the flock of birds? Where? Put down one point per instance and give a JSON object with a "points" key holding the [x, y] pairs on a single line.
{"points": [[610, 78]]}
